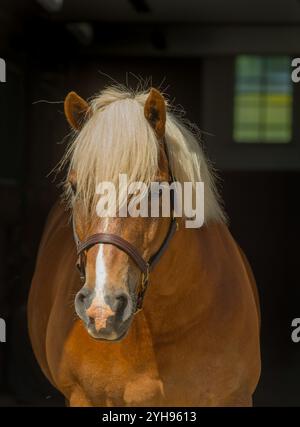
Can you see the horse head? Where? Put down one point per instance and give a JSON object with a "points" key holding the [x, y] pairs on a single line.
{"points": [[116, 252]]}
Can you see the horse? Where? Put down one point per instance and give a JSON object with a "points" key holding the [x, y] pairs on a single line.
{"points": [[123, 332]]}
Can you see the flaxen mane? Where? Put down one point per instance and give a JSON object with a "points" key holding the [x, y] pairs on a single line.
{"points": [[116, 138]]}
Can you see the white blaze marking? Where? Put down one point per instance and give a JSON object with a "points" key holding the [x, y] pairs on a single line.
{"points": [[100, 272]]}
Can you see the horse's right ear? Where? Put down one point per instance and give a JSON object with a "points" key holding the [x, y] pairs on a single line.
{"points": [[76, 109], [155, 112]]}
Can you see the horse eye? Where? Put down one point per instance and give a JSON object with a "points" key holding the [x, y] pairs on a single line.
{"points": [[73, 187]]}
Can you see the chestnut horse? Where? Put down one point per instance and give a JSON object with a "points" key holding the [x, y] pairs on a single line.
{"points": [[196, 340]]}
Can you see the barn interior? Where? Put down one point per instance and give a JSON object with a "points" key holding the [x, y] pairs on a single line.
{"points": [[228, 64]]}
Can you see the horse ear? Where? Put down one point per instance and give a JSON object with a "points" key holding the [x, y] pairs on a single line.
{"points": [[155, 112], [75, 110]]}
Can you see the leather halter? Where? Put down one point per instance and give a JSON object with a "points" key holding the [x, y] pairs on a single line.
{"points": [[145, 266]]}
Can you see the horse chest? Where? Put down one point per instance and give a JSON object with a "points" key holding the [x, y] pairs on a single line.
{"points": [[102, 373]]}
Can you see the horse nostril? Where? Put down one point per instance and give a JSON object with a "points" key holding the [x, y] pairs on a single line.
{"points": [[82, 301], [81, 297], [123, 306], [122, 302]]}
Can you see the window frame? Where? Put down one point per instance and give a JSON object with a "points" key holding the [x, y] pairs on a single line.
{"points": [[216, 121]]}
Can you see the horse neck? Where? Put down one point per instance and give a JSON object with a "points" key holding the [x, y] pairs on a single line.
{"points": [[184, 283]]}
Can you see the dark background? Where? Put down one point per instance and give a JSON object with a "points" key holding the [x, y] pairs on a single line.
{"points": [[188, 46]]}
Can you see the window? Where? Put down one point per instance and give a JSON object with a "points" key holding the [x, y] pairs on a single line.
{"points": [[263, 99]]}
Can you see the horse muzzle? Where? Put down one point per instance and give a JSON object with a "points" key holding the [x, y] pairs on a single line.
{"points": [[105, 317]]}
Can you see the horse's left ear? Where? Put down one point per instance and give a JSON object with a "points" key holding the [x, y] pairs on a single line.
{"points": [[155, 112], [76, 109]]}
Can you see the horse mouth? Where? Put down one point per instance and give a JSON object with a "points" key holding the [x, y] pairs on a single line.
{"points": [[112, 336], [111, 332]]}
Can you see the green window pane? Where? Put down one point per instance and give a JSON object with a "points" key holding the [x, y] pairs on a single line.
{"points": [[246, 134], [247, 114]]}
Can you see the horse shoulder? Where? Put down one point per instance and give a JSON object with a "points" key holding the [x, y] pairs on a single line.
{"points": [[42, 290]]}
